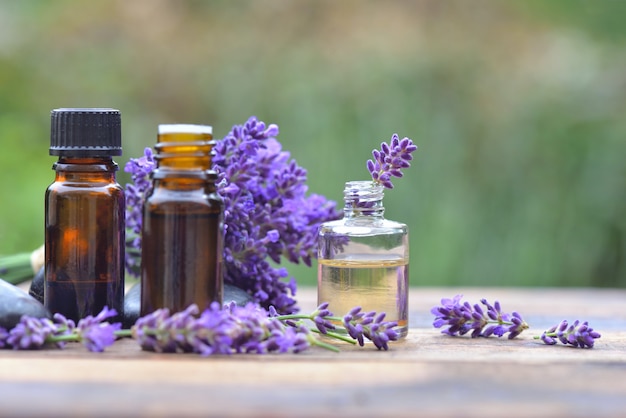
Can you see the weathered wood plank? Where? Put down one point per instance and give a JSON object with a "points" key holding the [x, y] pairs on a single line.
{"points": [[428, 374]]}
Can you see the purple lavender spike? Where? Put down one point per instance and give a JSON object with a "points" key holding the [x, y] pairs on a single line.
{"points": [[390, 160]]}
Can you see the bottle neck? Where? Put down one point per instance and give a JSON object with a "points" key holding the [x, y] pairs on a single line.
{"points": [[85, 168], [180, 151], [363, 199], [183, 157]]}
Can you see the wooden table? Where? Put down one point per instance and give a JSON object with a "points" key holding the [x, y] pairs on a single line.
{"points": [[426, 375]]}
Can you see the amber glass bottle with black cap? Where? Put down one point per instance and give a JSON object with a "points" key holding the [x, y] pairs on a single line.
{"points": [[182, 227], [84, 214]]}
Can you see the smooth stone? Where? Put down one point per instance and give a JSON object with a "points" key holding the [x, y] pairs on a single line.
{"points": [[236, 294], [132, 301], [15, 302], [132, 305], [37, 286]]}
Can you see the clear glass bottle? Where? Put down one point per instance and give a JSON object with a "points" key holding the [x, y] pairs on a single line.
{"points": [[84, 215], [182, 235], [363, 259]]}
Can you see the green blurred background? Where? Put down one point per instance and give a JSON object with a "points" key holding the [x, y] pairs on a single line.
{"points": [[518, 108]]}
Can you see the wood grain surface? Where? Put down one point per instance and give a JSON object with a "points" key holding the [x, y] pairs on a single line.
{"points": [[426, 375]]}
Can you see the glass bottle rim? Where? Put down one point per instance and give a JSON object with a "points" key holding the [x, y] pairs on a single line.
{"points": [[184, 128], [363, 185], [363, 189]]}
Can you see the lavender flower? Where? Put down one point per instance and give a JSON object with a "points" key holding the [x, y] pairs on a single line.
{"points": [[371, 326], [390, 160], [320, 318], [289, 340], [159, 331], [97, 334], [577, 334], [228, 330], [461, 318], [33, 333], [135, 192], [30, 333], [513, 323], [267, 214]]}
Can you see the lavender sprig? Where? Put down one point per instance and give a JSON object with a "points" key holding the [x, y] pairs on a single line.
{"points": [[35, 333], [357, 324], [390, 160], [461, 318], [577, 334], [228, 330]]}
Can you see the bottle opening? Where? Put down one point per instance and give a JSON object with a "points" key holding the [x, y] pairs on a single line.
{"points": [[182, 128], [363, 191]]}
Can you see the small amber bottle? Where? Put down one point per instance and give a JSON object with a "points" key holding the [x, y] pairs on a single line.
{"points": [[182, 235], [84, 215]]}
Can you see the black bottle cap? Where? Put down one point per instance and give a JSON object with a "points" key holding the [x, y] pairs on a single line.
{"points": [[86, 132]]}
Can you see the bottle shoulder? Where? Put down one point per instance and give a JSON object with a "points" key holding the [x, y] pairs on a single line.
{"points": [[86, 187], [87, 175], [165, 197], [363, 227], [188, 193]]}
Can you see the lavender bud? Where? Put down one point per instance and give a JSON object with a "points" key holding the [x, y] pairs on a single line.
{"points": [[548, 340]]}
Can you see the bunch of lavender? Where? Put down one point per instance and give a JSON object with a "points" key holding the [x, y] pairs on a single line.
{"points": [[461, 318], [267, 214], [252, 329], [232, 329], [389, 161], [217, 330], [577, 334], [33, 333]]}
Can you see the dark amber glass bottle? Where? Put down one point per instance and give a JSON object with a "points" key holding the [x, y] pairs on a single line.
{"points": [[182, 236], [84, 215]]}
